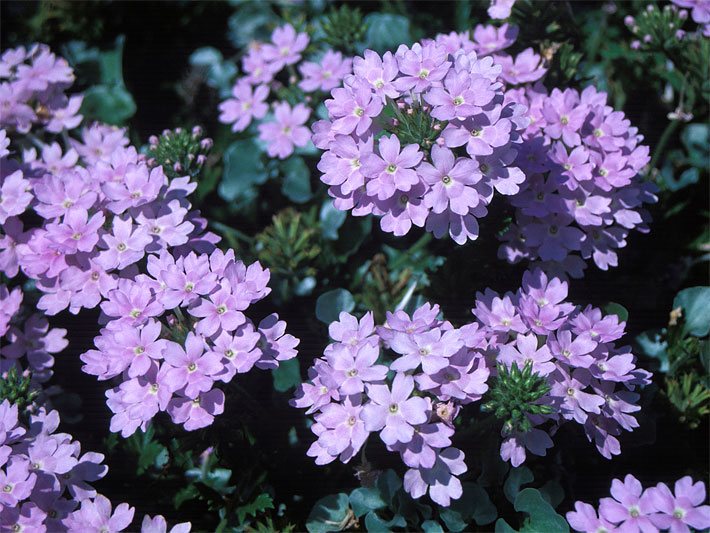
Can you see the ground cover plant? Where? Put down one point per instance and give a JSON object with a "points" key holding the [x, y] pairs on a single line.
{"points": [[343, 266]]}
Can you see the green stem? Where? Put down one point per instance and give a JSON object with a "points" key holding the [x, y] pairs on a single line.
{"points": [[421, 243], [663, 141], [228, 230]]}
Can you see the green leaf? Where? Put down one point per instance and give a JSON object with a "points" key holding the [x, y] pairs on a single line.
{"points": [[287, 375], [695, 138], [331, 219], [250, 22], [386, 31], [388, 483], [474, 504], [151, 453], [516, 478], [297, 180], [364, 500], [542, 517], [243, 168], [219, 72], [613, 308], [329, 514], [376, 524], [695, 303], [330, 304], [432, 526], [553, 492], [260, 504], [109, 104], [352, 234], [185, 494], [653, 345]]}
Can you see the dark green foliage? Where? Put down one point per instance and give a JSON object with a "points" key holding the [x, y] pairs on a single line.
{"points": [[343, 28]]}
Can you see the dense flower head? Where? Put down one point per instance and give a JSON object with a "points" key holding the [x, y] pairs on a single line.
{"points": [[404, 380], [408, 379], [584, 194], [174, 333], [111, 228], [590, 380], [46, 480], [633, 508], [422, 137], [32, 85]]}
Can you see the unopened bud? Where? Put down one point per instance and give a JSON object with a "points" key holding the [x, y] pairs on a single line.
{"points": [[196, 132], [206, 144], [153, 140], [201, 159]]}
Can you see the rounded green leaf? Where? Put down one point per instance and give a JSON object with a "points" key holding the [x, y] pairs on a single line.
{"points": [[613, 308], [328, 514], [543, 518], [243, 168], [695, 303], [297, 180], [516, 478], [109, 104], [364, 500], [287, 375], [331, 219], [330, 304], [386, 31]]}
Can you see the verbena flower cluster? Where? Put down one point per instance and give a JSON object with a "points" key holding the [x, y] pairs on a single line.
{"points": [[32, 85], [110, 228], [175, 332], [631, 508], [45, 480], [400, 144], [421, 137], [27, 343], [433, 369], [262, 64], [584, 194], [590, 380], [408, 380]]}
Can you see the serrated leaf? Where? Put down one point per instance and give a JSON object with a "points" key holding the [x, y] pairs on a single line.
{"points": [[260, 504], [330, 304]]}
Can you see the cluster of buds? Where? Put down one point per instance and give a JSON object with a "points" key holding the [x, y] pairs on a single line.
{"points": [[180, 152]]}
